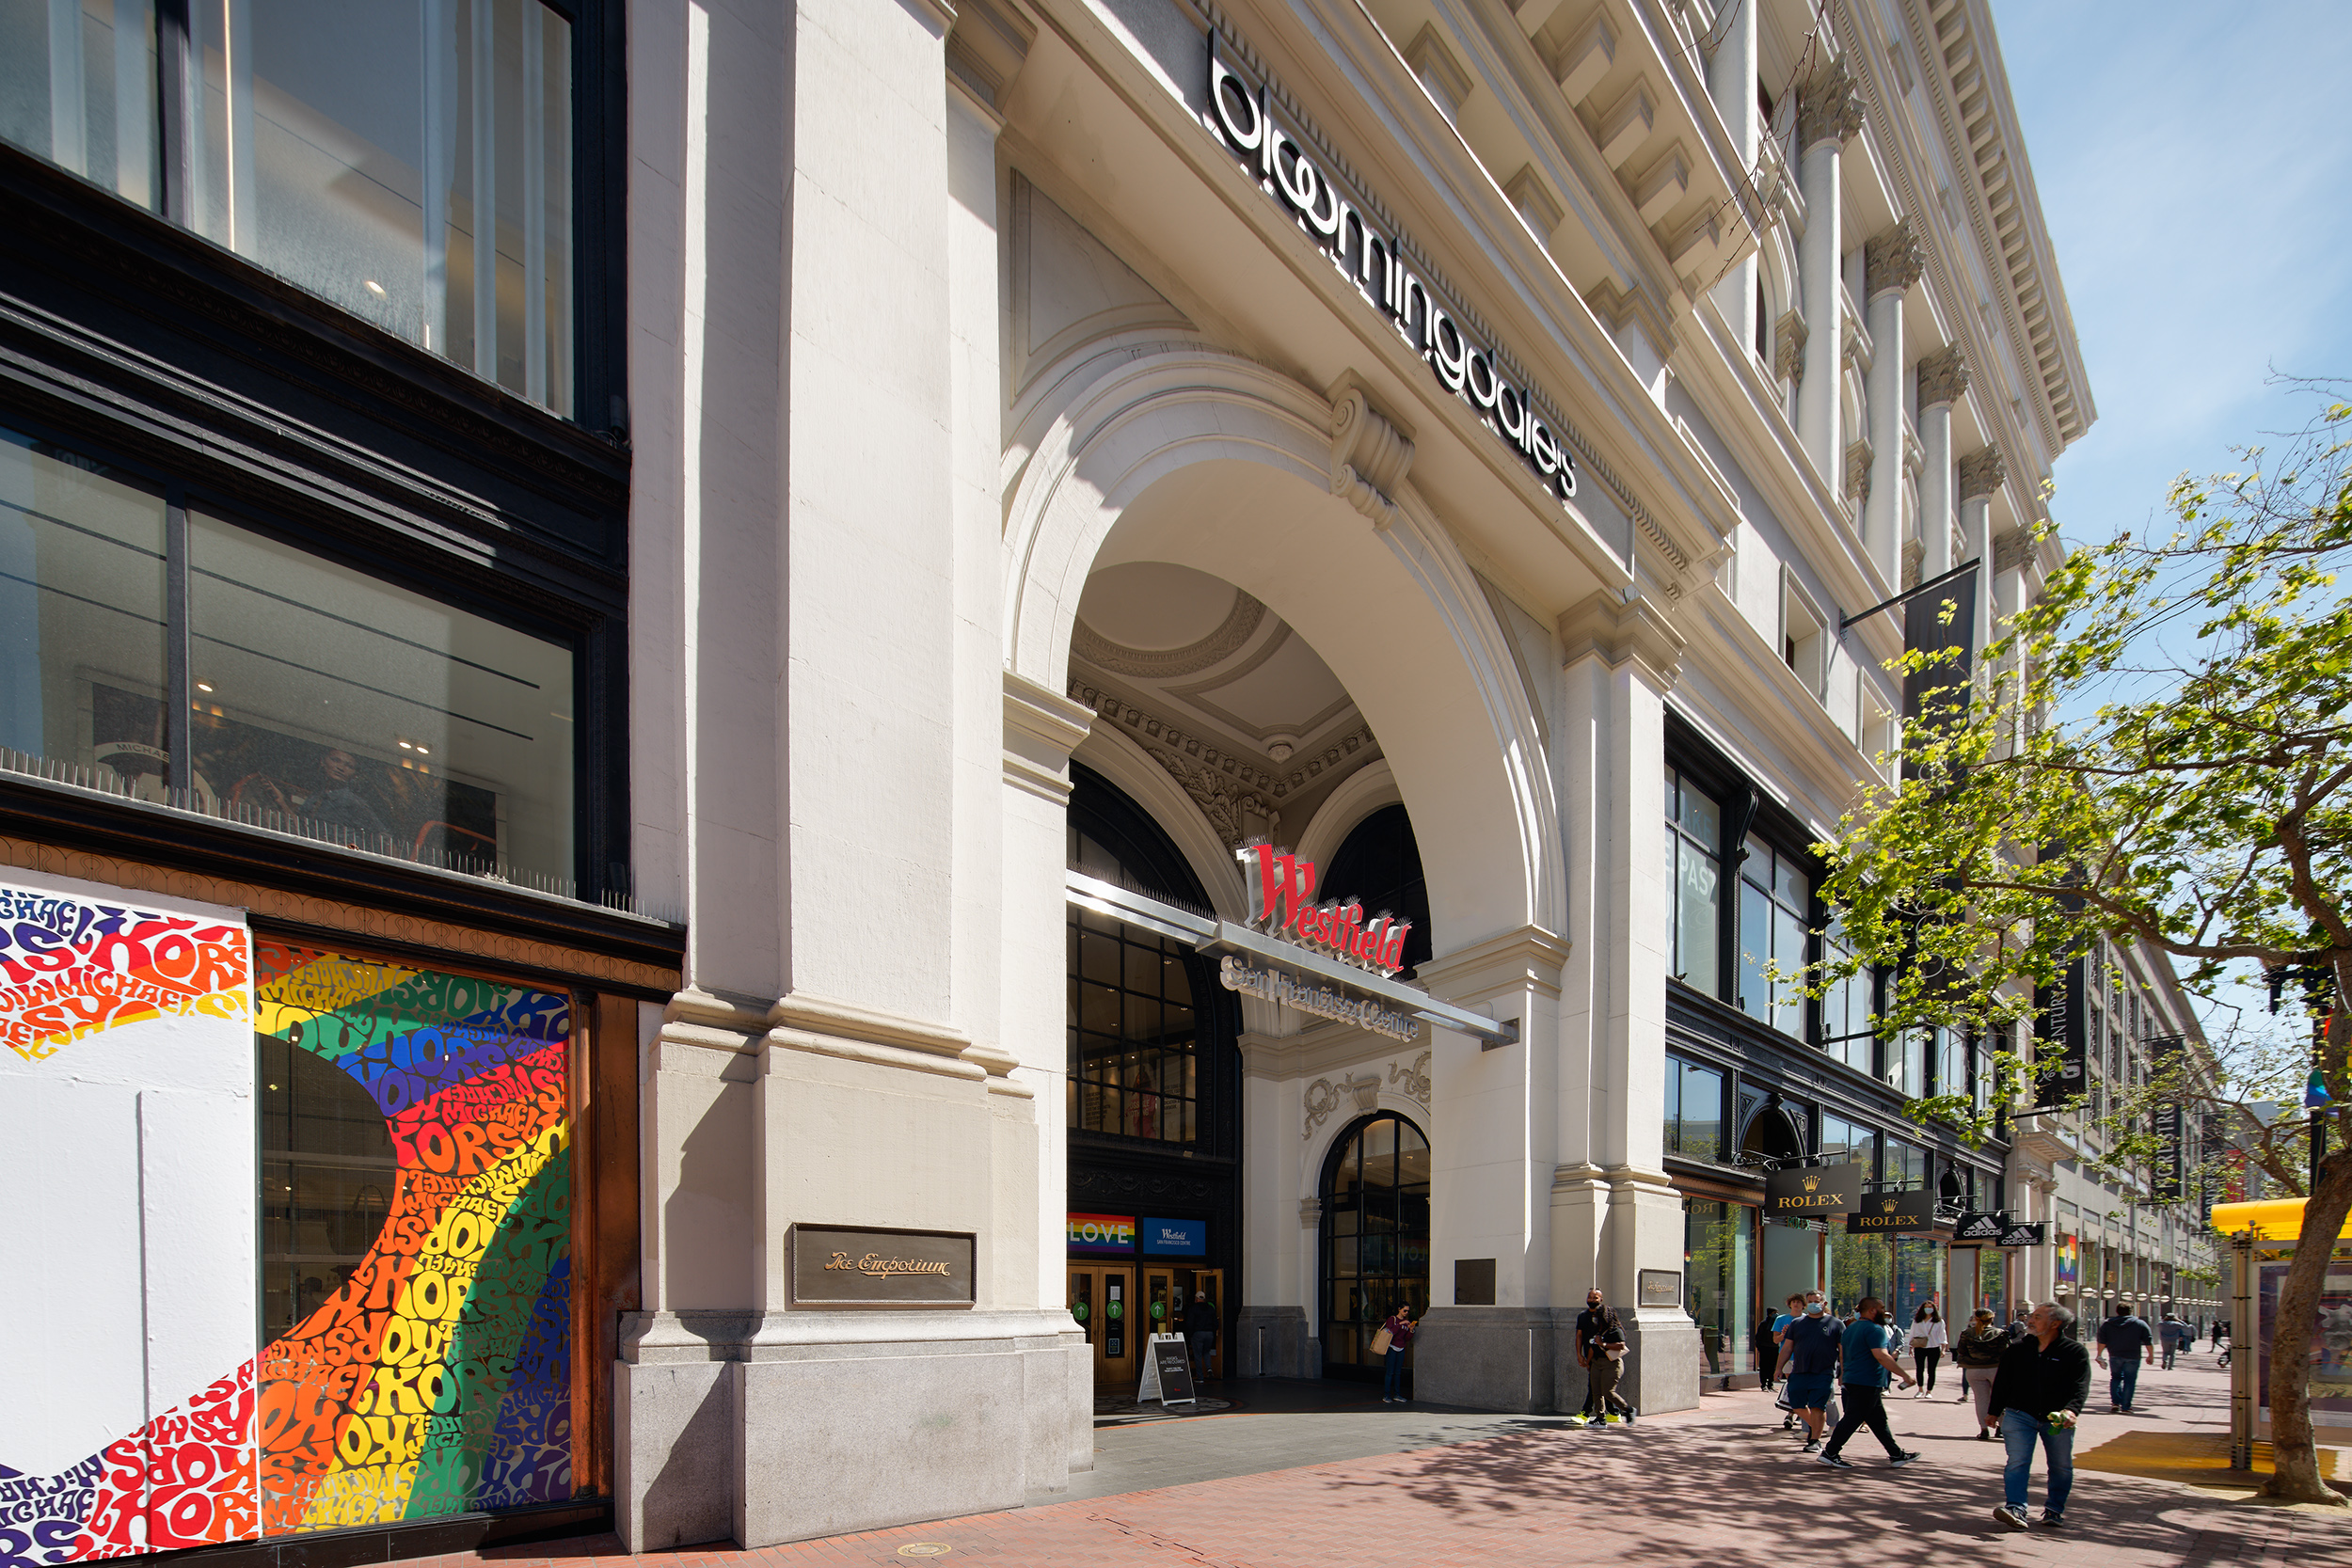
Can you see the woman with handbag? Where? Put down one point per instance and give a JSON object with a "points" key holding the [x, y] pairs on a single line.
{"points": [[1390, 1344], [1977, 1354], [1928, 1340]]}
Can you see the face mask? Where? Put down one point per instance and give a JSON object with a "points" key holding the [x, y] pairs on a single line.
{"points": [[1814, 1309]]}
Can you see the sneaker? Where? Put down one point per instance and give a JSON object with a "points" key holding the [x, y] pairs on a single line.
{"points": [[2052, 1521], [1790, 1424], [1833, 1462], [2008, 1517], [1897, 1460], [1615, 1419], [1631, 1411], [1813, 1445], [1983, 1436], [1577, 1421]]}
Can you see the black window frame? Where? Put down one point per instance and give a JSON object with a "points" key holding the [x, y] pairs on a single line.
{"points": [[1678, 1065], [490, 596]]}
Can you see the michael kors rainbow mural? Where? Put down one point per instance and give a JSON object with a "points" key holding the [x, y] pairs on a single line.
{"points": [[431, 1376]]}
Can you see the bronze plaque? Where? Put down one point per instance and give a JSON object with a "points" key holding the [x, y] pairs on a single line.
{"points": [[834, 1266]]}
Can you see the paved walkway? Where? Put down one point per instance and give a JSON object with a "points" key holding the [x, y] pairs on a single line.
{"points": [[1719, 1487]]}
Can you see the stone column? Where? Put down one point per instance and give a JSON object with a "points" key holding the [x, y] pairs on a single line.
{"points": [[1612, 1212], [1890, 265], [1942, 378], [1828, 113], [1731, 83], [2000, 587]]}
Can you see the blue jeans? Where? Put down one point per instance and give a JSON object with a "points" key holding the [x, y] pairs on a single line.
{"points": [[2018, 1433], [1392, 1375], [2123, 1378]]}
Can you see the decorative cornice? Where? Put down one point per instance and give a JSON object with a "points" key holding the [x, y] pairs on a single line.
{"points": [[1892, 261], [1042, 728], [1154, 734], [1788, 336], [1241, 623], [1982, 473], [1858, 455], [1615, 629], [1829, 107], [1943, 376]]}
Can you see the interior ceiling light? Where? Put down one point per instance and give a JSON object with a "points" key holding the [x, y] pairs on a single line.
{"points": [[405, 747], [203, 686], [425, 751], [373, 287]]}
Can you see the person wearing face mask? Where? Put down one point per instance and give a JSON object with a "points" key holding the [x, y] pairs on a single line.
{"points": [[1869, 1356], [1600, 1350], [1808, 1360]]}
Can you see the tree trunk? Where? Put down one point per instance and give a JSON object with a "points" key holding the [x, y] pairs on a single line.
{"points": [[2293, 1450]]}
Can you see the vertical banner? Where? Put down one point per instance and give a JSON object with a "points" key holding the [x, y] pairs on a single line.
{"points": [[2167, 1182], [2059, 1034], [126, 1389], [1937, 695]]}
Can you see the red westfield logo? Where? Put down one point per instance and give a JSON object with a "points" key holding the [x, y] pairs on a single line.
{"points": [[1286, 886]]}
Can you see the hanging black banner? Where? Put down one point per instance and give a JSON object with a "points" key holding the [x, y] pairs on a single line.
{"points": [[2024, 1235], [2167, 1180], [2058, 1035], [1893, 1212], [1815, 1191], [1977, 1227]]}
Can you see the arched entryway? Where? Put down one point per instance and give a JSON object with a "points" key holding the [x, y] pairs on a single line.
{"points": [[1374, 1252]]}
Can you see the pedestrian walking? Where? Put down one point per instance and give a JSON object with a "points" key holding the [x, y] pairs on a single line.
{"points": [[1201, 1325], [1928, 1342], [2017, 1330], [1869, 1353], [2038, 1397], [1792, 1310], [1766, 1344], [1398, 1333], [2176, 1336], [1977, 1354], [1601, 1349], [2130, 1343], [1808, 1363]]}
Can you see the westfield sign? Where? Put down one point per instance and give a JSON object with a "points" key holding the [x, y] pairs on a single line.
{"points": [[1286, 908]]}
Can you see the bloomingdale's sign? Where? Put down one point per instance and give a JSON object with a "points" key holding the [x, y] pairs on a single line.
{"points": [[1339, 218]]}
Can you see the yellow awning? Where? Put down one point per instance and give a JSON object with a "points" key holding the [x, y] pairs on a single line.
{"points": [[2277, 1219]]}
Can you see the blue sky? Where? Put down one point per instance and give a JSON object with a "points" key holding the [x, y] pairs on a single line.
{"points": [[2197, 181]]}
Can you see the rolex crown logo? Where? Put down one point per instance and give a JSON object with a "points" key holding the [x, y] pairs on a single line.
{"points": [[1812, 1183], [1890, 1205]]}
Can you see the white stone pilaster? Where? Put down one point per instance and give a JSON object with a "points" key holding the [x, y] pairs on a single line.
{"points": [[1829, 112], [1731, 83], [1891, 264]]}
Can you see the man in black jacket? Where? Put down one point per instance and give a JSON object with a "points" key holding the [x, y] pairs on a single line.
{"points": [[2038, 1395]]}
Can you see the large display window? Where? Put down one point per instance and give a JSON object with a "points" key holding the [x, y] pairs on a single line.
{"points": [[168, 653], [1719, 1274], [1375, 1237]]}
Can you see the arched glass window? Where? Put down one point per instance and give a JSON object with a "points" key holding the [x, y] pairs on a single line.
{"points": [[1375, 1237], [1378, 865]]}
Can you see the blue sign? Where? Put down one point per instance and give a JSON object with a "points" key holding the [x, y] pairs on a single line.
{"points": [[1174, 1238]]}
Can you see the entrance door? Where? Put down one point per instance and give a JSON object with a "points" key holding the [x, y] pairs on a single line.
{"points": [[1176, 1288], [1103, 1301]]}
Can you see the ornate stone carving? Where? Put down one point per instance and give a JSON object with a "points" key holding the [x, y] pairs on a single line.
{"points": [[2012, 549], [1415, 1079], [1788, 336], [1893, 261], [1228, 809], [1153, 734], [1943, 376], [1981, 472], [1914, 553], [1858, 456], [1830, 108], [1369, 456], [1240, 624], [1323, 1097]]}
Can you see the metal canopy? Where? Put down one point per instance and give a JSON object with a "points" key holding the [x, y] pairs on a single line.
{"points": [[1207, 935]]}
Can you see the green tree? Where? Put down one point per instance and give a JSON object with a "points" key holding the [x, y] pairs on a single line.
{"points": [[2158, 750]]}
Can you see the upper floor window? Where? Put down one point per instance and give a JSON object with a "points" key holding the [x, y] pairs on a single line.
{"points": [[1773, 936], [311, 699], [1848, 1143], [1133, 1061], [1695, 833], [1906, 1166], [1694, 1110], [1849, 1011], [407, 160]]}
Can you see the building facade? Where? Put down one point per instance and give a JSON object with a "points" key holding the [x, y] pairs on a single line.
{"points": [[651, 583]]}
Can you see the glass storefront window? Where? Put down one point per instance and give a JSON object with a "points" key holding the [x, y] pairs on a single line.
{"points": [[1918, 1276], [1695, 867], [1132, 1034], [1860, 1266], [409, 161], [82, 615], [1719, 1273], [78, 87], [383, 719]]}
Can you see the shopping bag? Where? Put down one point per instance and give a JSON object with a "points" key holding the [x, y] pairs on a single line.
{"points": [[1380, 1342]]}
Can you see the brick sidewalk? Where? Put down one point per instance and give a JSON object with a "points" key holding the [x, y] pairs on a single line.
{"points": [[1717, 1486]]}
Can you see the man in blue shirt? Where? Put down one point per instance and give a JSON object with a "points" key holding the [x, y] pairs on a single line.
{"points": [[1808, 1359], [2126, 1337], [1868, 1347]]}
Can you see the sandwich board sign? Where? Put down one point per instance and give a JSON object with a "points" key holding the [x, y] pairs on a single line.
{"points": [[1167, 1372]]}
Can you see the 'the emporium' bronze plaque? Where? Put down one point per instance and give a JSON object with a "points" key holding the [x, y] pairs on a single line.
{"points": [[832, 1266]]}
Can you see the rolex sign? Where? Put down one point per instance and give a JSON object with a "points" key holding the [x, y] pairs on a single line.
{"points": [[1796, 1195]]}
